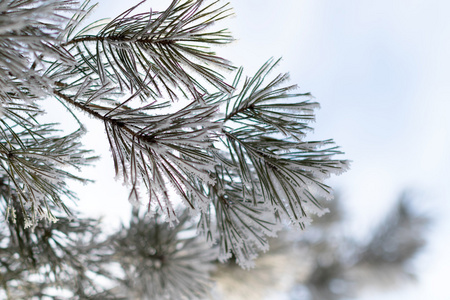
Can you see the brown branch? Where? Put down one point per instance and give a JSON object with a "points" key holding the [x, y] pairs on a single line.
{"points": [[114, 122], [79, 105], [238, 111], [95, 38]]}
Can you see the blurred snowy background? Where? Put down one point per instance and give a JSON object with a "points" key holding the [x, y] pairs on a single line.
{"points": [[381, 72]]}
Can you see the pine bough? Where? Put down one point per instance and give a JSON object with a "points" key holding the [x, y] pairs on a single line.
{"points": [[235, 154]]}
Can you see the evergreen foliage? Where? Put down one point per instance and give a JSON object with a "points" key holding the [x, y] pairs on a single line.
{"points": [[159, 261], [54, 259], [343, 267], [235, 153], [327, 263]]}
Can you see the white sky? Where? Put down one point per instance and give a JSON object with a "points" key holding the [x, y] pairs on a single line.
{"points": [[381, 72]]}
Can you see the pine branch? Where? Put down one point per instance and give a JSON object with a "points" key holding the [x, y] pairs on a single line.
{"points": [[60, 255], [245, 171], [241, 227], [173, 259], [397, 239], [150, 51], [286, 172], [28, 30], [32, 158], [153, 149]]}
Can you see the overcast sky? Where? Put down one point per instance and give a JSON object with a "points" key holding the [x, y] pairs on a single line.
{"points": [[381, 72]]}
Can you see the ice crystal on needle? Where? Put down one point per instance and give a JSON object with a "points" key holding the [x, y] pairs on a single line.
{"points": [[236, 154]]}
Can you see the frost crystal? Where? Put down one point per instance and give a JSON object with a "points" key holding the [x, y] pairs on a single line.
{"points": [[235, 154]]}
